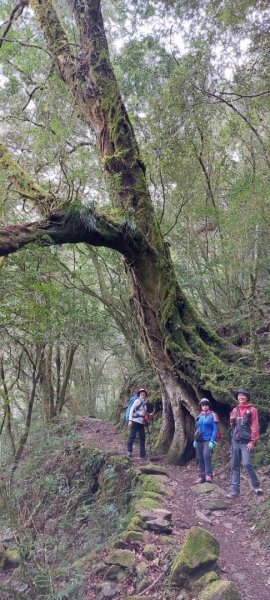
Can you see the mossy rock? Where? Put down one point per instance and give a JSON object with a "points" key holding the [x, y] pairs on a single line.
{"points": [[204, 581], [149, 551], [123, 558], [84, 561], [98, 567], [214, 504], [220, 590], [159, 525], [10, 560], [136, 523], [134, 535], [208, 488], [147, 503], [150, 483], [199, 553], [154, 496], [156, 513], [116, 573]]}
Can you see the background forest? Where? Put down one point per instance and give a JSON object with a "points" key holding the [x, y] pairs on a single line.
{"points": [[134, 251], [194, 77]]}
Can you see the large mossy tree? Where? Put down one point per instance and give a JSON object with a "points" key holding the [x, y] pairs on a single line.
{"points": [[188, 357]]}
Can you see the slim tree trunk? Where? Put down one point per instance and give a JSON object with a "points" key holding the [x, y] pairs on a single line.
{"points": [[46, 382], [35, 378], [70, 352], [7, 408]]}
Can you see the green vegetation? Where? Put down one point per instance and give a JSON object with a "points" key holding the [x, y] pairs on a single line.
{"points": [[65, 504]]}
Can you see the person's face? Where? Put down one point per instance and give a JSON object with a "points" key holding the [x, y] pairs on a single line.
{"points": [[205, 406], [142, 395], [242, 399]]}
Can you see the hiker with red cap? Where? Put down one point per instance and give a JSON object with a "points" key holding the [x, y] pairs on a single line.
{"points": [[205, 439], [136, 421], [245, 430]]}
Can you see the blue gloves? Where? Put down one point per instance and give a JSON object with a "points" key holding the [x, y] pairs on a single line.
{"points": [[211, 445], [194, 444]]}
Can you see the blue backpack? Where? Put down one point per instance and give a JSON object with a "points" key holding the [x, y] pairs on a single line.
{"points": [[129, 406]]}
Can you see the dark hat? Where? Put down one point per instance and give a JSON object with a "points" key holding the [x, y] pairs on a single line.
{"points": [[142, 390], [205, 401], [242, 390]]}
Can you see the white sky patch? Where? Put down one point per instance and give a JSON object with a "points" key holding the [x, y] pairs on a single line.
{"points": [[174, 40], [31, 106], [3, 80], [245, 44], [233, 154]]}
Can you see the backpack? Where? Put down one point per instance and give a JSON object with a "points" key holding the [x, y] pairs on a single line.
{"points": [[129, 406], [243, 428], [219, 434]]}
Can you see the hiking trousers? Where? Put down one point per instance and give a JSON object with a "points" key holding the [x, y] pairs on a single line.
{"points": [[137, 428], [240, 451], [204, 459]]}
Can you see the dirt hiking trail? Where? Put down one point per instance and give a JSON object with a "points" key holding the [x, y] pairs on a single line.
{"points": [[244, 553]]}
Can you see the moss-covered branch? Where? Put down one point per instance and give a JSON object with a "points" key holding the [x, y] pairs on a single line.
{"points": [[77, 225], [24, 184]]}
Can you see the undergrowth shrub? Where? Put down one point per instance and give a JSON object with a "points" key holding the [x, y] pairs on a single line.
{"points": [[65, 501]]}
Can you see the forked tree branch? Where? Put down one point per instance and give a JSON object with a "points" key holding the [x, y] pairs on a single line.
{"points": [[15, 14], [44, 200], [76, 225], [64, 224]]}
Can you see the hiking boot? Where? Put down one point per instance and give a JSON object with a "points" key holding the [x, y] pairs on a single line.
{"points": [[143, 457], [258, 491], [209, 478], [129, 454], [200, 480], [232, 494]]}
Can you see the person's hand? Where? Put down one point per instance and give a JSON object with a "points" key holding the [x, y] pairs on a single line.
{"points": [[211, 445], [249, 446], [194, 444], [130, 423]]}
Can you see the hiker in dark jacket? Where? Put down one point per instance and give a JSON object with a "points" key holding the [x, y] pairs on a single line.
{"points": [[245, 434], [136, 423], [205, 440]]}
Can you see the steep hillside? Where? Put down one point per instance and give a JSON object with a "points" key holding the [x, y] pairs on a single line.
{"points": [[80, 521], [66, 500]]}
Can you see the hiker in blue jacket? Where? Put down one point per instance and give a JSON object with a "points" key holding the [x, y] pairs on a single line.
{"points": [[136, 423], [205, 439]]}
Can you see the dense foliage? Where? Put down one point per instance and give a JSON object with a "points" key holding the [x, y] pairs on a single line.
{"points": [[193, 76]]}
